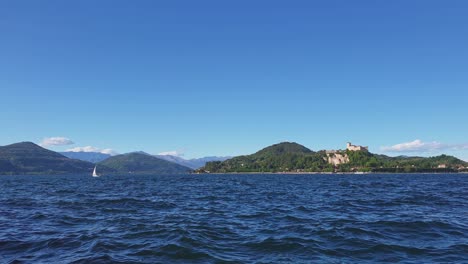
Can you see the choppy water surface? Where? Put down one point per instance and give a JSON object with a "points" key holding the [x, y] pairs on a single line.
{"points": [[234, 219]]}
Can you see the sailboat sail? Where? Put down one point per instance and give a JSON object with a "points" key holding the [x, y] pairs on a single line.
{"points": [[94, 172]]}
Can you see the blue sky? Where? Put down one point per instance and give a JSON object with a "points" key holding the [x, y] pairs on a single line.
{"points": [[230, 77]]}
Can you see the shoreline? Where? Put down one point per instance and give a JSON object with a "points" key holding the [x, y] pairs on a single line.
{"points": [[327, 173]]}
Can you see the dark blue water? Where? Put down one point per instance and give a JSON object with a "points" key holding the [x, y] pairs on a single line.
{"points": [[234, 219]]}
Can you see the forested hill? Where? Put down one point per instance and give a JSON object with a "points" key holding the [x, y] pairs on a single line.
{"points": [[280, 157]]}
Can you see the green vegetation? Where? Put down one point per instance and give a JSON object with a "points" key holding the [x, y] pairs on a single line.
{"points": [[283, 157], [139, 163], [366, 161], [29, 158], [292, 157]]}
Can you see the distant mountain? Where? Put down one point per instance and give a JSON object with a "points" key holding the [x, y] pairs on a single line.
{"points": [[191, 163], [93, 157], [29, 158], [139, 163], [292, 157]]}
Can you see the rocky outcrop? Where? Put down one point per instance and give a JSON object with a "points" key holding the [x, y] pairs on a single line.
{"points": [[336, 158]]}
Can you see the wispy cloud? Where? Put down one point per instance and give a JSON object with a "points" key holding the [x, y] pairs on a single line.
{"points": [[172, 153], [93, 149], [56, 141], [421, 146]]}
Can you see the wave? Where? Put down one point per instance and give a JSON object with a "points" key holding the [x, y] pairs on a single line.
{"points": [[235, 219]]}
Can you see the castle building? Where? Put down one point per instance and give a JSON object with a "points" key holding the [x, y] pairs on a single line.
{"points": [[352, 147]]}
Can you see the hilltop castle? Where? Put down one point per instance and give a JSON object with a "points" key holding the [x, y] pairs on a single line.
{"points": [[338, 157], [352, 147]]}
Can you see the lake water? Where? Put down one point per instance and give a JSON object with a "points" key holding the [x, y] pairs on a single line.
{"points": [[234, 219]]}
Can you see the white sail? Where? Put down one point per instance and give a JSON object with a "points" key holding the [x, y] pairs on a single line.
{"points": [[94, 172]]}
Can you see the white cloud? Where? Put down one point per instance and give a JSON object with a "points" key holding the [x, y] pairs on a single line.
{"points": [[84, 149], [93, 149], [109, 151], [421, 146], [172, 153], [56, 141]]}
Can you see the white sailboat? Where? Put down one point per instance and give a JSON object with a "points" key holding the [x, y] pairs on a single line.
{"points": [[94, 172]]}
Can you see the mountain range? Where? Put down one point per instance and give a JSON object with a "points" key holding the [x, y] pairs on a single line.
{"points": [[96, 157], [93, 157], [29, 158], [138, 163]]}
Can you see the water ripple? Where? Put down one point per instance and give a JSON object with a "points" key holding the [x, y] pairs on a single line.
{"points": [[234, 219]]}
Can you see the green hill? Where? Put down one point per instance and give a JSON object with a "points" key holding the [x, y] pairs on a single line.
{"points": [[139, 163], [29, 158], [283, 148], [292, 157], [282, 157]]}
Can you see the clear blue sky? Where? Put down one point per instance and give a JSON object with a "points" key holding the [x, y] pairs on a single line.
{"points": [[231, 77]]}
